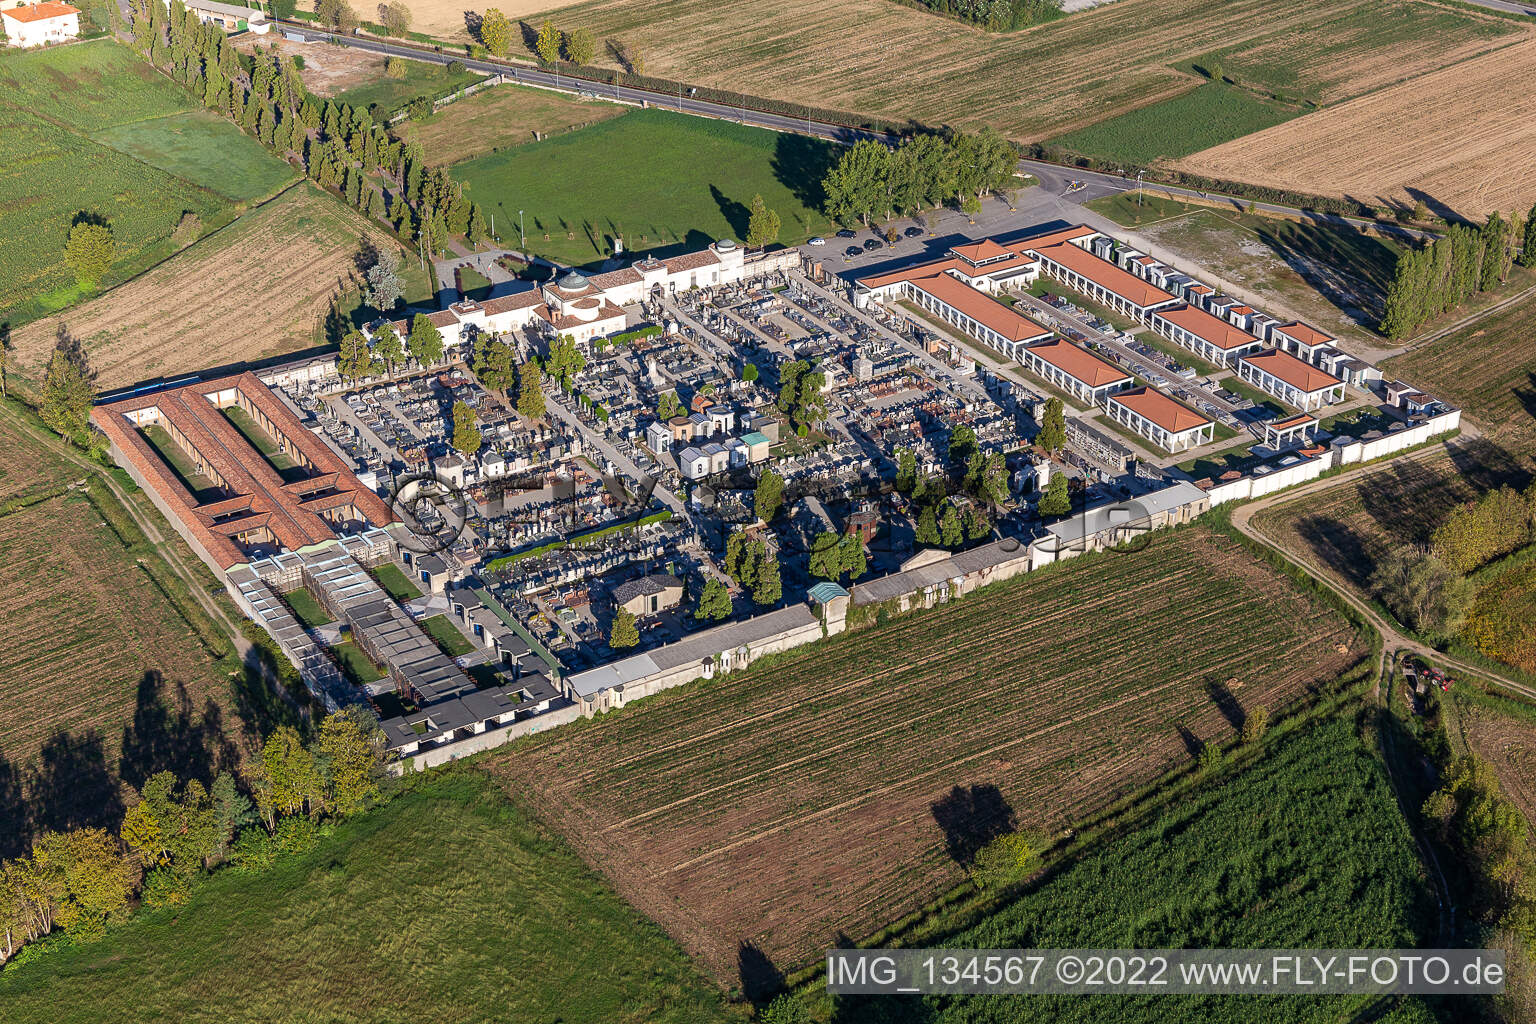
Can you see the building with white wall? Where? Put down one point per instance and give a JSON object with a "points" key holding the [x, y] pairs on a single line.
{"points": [[1172, 426], [1078, 372], [1208, 336], [40, 24], [1297, 384]]}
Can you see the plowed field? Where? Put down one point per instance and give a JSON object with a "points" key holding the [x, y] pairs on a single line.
{"points": [[783, 805]]}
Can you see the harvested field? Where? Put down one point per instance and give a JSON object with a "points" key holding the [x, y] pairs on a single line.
{"points": [[108, 670], [1462, 139], [260, 286], [786, 804], [446, 19], [881, 58], [1488, 369], [506, 115], [1504, 735]]}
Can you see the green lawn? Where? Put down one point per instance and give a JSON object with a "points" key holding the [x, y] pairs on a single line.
{"points": [[447, 635], [395, 582], [356, 665], [306, 609], [279, 460], [91, 129], [202, 487], [449, 904], [1206, 116], [421, 79], [665, 181], [472, 284], [1217, 463], [1129, 209], [1304, 846]]}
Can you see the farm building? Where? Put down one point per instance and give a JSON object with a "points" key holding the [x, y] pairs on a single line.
{"points": [[1294, 382], [1076, 371], [40, 24], [1172, 425], [649, 594], [1208, 336]]}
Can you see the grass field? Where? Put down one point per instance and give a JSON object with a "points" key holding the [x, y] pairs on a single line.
{"points": [[447, 636], [1333, 277], [306, 609], [447, 905], [1306, 845], [357, 666], [395, 582], [262, 286], [886, 59], [786, 804], [1489, 370], [421, 79], [280, 461], [1206, 116], [92, 129], [507, 115], [1459, 139], [107, 667], [1502, 733], [660, 179]]}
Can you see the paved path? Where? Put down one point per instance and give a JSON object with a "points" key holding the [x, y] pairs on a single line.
{"points": [[555, 408]]}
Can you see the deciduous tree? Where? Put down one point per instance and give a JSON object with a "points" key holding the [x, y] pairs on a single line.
{"points": [[762, 226], [623, 632], [89, 251], [466, 436], [496, 32], [547, 45], [426, 342], [768, 496], [768, 588], [387, 348], [580, 47], [714, 601], [1056, 501]]}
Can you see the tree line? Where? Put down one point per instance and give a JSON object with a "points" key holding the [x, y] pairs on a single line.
{"points": [[340, 147], [176, 831], [925, 171], [1441, 276]]}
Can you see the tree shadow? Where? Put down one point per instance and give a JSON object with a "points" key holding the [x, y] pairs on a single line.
{"points": [[1226, 703], [472, 22], [1340, 546], [164, 737], [1192, 743], [736, 214], [1347, 267], [15, 833], [1489, 465], [1436, 207], [970, 818], [800, 164], [258, 705], [1524, 394], [761, 980], [69, 786]]}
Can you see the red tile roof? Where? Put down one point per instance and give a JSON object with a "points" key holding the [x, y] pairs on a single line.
{"points": [[1207, 327], [986, 249], [1302, 376], [1011, 325], [1309, 336], [41, 12], [1078, 363], [1104, 274], [261, 498], [1152, 404], [1294, 421]]}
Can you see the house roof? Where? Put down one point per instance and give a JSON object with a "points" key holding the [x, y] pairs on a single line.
{"points": [[41, 12], [1304, 333], [1207, 327], [986, 311], [1301, 419], [1302, 376], [655, 583], [1078, 363], [986, 249], [1103, 273], [1152, 404]]}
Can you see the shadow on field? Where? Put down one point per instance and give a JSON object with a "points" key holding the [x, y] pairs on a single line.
{"points": [[1337, 544], [164, 737], [1226, 703], [1489, 465], [69, 785], [761, 980], [14, 835], [801, 164], [970, 818], [1341, 263], [736, 214]]}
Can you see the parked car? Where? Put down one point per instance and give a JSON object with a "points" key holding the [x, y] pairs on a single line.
{"points": [[871, 244], [912, 232], [818, 240], [852, 250], [846, 233]]}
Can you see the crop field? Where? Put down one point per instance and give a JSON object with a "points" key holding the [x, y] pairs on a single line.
{"points": [[107, 668], [1203, 117], [884, 59], [92, 129], [261, 286], [449, 904], [1503, 734], [1305, 845], [1488, 369], [1461, 139], [445, 19], [783, 805], [1346, 529], [496, 118], [661, 179]]}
